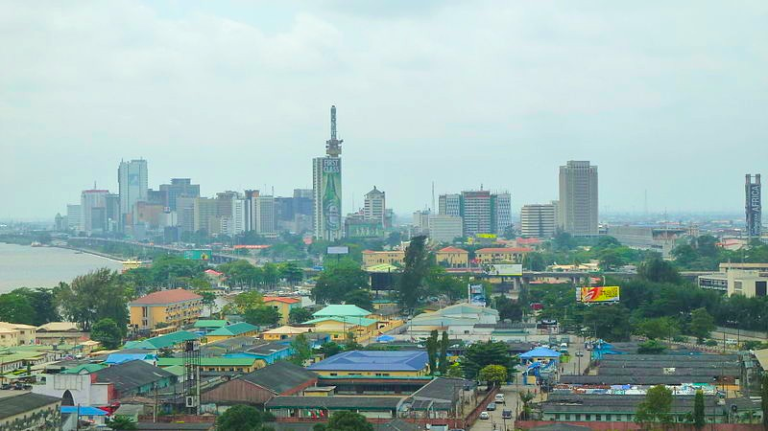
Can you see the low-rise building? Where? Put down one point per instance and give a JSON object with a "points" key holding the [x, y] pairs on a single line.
{"points": [[320, 408], [30, 412], [452, 257], [501, 255], [219, 365], [173, 307], [749, 283], [283, 305], [167, 341], [284, 332], [25, 334], [241, 329], [371, 364], [55, 333], [208, 325], [394, 257], [618, 408], [458, 319], [362, 328]]}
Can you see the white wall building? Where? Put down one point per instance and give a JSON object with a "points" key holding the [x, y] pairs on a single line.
{"points": [[537, 221]]}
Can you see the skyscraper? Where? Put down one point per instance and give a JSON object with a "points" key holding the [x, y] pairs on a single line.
{"points": [[578, 198], [537, 221], [450, 205], [134, 185], [74, 217], [501, 212], [180, 187], [93, 204], [481, 211], [753, 206], [264, 215], [375, 205], [326, 186]]}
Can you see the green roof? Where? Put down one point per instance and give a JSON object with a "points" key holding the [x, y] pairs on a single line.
{"points": [[209, 362], [362, 321], [235, 330], [20, 356], [336, 310], [177, 370], [84, 369], [211, 323], [382, 267], [162, 341]]}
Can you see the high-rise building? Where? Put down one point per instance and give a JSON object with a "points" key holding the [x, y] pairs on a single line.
{"points": [[374, 208], [444, 228], [249, 195], [113, 212], [264, 215], [74, 217], [93, 205], [59, 223], [185, 213], [450, 204], [134, 186], [204, 218], [180, 187], [326, 186], [578, 198], [537, 221], [238, 217], [501, 211], [753, 206]]}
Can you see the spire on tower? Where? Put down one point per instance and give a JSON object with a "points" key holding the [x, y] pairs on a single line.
{"points": [[333, 145]]}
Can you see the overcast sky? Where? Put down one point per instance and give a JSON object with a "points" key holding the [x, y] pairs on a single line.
{"points": [[668, 97]]}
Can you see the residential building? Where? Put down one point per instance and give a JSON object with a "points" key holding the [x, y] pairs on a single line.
{"points": [[661, 239], [54, 333], [452, 257], [371, 258], [374, 208], [283, 305], [260, 386], [9, 337], [339, 327], [363, 364], [179, 187], [264, 215], [326, 186], [241, 329], [209, 325], [538, 221], [133, 183], [29, 411], [578, 198], [284, 332], [481, 211], [501, 255], [172, 307], [749, 283], [372, 407], [357, 226], [218, 364], [25, 334], [445, 228], [74, 217], [93, 204]]}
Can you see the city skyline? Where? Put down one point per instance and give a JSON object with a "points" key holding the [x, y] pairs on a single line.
{"points": [[659, 108]]}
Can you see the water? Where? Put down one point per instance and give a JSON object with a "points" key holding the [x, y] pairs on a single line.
{"points": [[24, 266]]}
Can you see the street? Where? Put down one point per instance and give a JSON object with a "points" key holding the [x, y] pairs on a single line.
{"points": [[496, 422]]}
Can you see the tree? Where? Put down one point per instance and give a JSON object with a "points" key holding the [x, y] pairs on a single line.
{"points": [[299, 315], [411, 286], [698, 410], [262, 315], [439, 282], [209, 298], [291, 273], [442, 360], [432, 351], [336, 281], [351, 343], [508, 309], [764, 397], [106, 332], [610, 322], [301, 350], [244, 302], [16, 308], [242, 418], [660, 327], [329, 349], [658, 271], [651, 347], [481, 354], [360, 297], [121, 423], [656, 408], [494, 375], [701, 324], [97, 295], [348, 421], [43, 303]]}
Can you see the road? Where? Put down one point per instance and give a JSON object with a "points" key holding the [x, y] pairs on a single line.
{"points": [[496, 422]]}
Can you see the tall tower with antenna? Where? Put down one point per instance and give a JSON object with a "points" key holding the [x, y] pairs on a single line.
{"points": [[326, 188]]}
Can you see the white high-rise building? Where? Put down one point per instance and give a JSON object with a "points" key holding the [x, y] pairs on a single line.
{"points": [[537, 221], [578, 198], [501, 205], [74, 217], [450, 204], [444, 228], [93, 206], [134, 185], [264, 215], [375, 206]]}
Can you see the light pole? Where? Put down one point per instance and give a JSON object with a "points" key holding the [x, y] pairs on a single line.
{"points": [[579, 355]]}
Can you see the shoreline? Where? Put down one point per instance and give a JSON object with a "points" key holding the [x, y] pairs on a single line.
{"points": [[91, 252]]}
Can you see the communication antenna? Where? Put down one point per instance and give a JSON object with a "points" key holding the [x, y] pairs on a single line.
{"points": [[433, 199]]}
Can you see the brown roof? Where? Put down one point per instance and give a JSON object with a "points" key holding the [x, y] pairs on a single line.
{"points": [[504, 250], [167, 297], [282, 299]]}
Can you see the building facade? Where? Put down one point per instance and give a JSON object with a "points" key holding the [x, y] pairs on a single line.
{"points": [[371, 258], [264, 215], [444, 228], [374, 208], [753, 207], [133, 180], [537, 221], [93, 206], [326, 186], [180, 187], [578, 198], [173, 307], [481, 211]]}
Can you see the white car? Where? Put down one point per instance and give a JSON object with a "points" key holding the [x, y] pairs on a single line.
{"points": [[485, 416]]}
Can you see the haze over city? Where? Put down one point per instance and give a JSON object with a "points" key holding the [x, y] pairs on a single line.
{"points": [[668, 98]]}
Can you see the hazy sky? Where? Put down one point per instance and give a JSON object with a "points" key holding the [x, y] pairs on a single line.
{"points": [[668, 97]]}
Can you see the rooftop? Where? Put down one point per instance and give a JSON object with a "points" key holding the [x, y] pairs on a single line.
{"points": [[283, 299], [336, 310], [361, 321], [335, 403], [162, 341], [131, 375], [209, 362], [164, 297], [362, 360], [235, 329], [540, 352], [20, 404], [504, 250], [453, 250], [280, 377], [59, 327], [84, 369], [208, 323]]}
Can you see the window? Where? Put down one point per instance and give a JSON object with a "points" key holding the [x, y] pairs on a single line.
{"points": [[334, 374], [588, 417], [760, 288], [598, 417], [578, 416], [607, 418], [737, 286], [557, 416]]}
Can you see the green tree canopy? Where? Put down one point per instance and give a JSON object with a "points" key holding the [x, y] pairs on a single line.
{"points": [[262, 315], [482, 354], [97, 295], [16, 308], [699, 419], [702, 324], [494, 375], [411, 286], [348, 421], [360, 297], [43, 302], [610, 322], [299, 315], [302, 350], [106, 332], [242, 418], [656, 408], [338, 280]]}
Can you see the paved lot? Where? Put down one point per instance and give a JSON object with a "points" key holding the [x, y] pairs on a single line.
{"points": [[496, 422]]}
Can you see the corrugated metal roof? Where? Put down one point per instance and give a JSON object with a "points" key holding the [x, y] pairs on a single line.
{"points": [[363, 360], [236, 329], [341, 310]]}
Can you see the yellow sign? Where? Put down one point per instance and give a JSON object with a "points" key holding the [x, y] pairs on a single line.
{"points": [[600, 294], [486, 235]]}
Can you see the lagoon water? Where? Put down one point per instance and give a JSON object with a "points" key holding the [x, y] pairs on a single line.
{"points": [[24, 266]]}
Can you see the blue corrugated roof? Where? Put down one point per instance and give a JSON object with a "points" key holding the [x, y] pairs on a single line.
{"points": [[119, 358], [363, 360], [83, 410], [540, 352]]}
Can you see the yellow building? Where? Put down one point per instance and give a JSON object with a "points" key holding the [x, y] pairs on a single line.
{"points": [[26, 334], [284, 332], [283, 305], [452, 257], [362, 328], [173, 307], [241, 329], [501, 255], [372, 258], [60, 332], [9, 337]]}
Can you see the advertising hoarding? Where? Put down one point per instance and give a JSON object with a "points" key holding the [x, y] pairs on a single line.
{"points": [[204, 254], [513, 269], [338, 250], [754, 210], [477, 294], [598, 294], [331, 196]]}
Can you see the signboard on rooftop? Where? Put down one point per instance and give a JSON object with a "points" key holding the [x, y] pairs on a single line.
{"points": [[197, 254], [514, 269], [597, 294], [338, 250]]}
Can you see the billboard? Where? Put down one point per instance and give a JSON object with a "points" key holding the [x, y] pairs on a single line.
{"points": [[331, 196], [597, 294], [477, 294], [514, 269], [338, 250], [754, 209], [197, 254]]}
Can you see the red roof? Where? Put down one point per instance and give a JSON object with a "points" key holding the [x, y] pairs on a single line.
{"points": [[528, 240], [452, 250], [213, 272], [167, 297], [505, 250], [282, 299]]}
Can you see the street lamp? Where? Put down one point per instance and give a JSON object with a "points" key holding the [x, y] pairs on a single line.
{"points": [[579, 354], [738, 335]]}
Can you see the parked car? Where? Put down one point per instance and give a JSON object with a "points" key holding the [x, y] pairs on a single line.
{"points": [[506, 414], [485, 416], [491, 407]]}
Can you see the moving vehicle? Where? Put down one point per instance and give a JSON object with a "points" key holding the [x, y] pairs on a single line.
{"points": [[506, 414], [730, 342], [500, 398], [485, 416], [491, 407]]}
